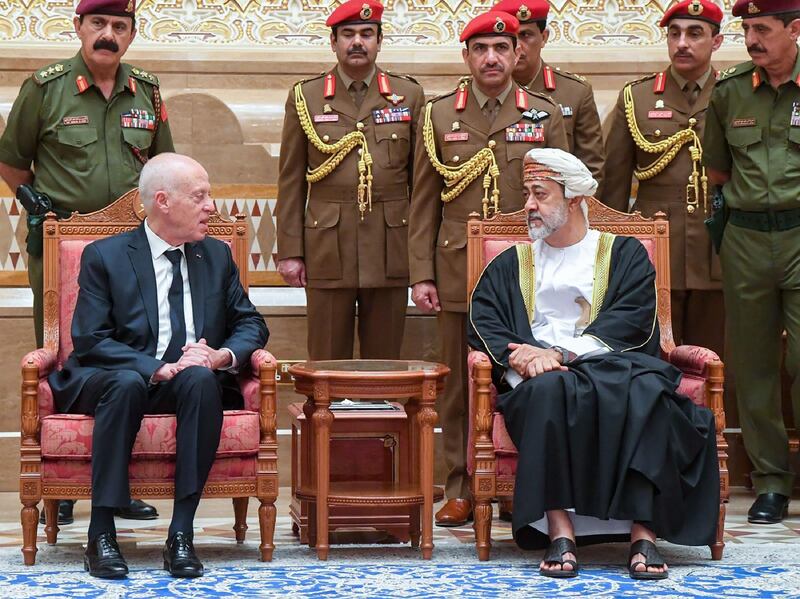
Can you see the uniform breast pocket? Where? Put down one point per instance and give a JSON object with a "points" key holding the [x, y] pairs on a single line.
{"points": [[743, 139], [393, 144], [329, 133], [457, 153], [77, 145], [137, 141], [793, 151]]}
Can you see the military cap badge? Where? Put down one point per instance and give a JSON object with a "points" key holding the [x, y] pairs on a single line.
{"points": [[499, 26], [366, 11], [695, 8], [523, 13], [753, 9]]}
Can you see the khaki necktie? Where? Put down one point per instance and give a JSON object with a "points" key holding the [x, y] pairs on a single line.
{"points": [[490, 109], [691, 90], [358, 89]]}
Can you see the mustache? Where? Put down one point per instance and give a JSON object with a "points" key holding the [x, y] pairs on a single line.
{"points": [[756, 49], [104, 44], [356, 50]]}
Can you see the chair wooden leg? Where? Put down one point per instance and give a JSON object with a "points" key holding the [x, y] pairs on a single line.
{"points": [[414, 529], [51, 520], [240, 517], [266, 521], [29, 517], [483, 528], [719, 545]]}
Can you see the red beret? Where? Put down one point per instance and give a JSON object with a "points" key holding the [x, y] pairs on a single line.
{"points": [[117, 8], [493, 22], [525, 10], [764, 8], [702, 10], [356, 11]]}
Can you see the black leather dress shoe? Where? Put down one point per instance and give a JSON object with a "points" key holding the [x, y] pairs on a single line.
{"points": [[64, 513], [768, 508], [103, 558], [180, 560], [137, 510]]}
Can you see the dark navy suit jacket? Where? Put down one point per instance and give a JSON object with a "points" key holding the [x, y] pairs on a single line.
{"points": [[115, 325]]}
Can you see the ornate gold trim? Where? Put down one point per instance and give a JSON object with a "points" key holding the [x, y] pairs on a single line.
{"points": [[602, 271], [527, 278]]}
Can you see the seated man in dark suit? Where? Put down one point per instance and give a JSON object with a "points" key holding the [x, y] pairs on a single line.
{"points": [[161, 325]]}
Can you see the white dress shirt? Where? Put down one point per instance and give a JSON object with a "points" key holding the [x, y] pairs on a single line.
{"points": [[163, 271]]}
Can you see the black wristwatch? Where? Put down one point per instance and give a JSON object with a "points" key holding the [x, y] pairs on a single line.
{"points": [[566, 355]]}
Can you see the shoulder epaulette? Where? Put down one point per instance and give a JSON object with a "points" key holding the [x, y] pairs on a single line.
{"points": [[143, 75], [312, 78], [569, 75], [540, 95], [402, 76], [466, 79], [51, 72], [735, 71], [642, 79]]}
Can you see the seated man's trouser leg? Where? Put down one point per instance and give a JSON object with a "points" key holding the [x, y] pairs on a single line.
{"points": [[761, 279], [119, 399]]}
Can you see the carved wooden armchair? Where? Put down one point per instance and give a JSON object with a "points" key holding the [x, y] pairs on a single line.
{"points": [[56, 449], [491, 455]]}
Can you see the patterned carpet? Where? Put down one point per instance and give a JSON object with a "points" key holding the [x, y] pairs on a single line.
{"points": [[760, 562]]}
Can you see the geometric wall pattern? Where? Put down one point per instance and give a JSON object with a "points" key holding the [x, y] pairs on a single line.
{"points": [[290, 23], [258, 210]]}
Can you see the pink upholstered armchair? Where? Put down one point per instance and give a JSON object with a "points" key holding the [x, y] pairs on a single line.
{"points": [[491, 454], [56, 449]]}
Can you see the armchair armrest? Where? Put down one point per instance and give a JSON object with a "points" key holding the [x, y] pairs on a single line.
{"points": [[481, 449], [262, 357], [44, 360], [692, 359]]}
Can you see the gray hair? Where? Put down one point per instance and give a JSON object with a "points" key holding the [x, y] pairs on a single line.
{"points": [[165, 172]]}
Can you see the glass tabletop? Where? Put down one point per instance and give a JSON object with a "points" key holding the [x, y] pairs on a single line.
{"points": [[371, 365]]}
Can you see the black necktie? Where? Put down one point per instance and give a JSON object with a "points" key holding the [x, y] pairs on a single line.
{"points": [[176, 318]]}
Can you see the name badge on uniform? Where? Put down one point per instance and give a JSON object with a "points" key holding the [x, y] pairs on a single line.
{"points": [[659, 114], [75, 120], [794, 121], [525, 132], [326, 118], [460, 136], [401, 114], [743, 123], [138, 118], [566, 110]]}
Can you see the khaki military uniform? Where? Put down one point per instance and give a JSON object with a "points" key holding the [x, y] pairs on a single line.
{"points": [[86, 150], [438, 235], [581, 120], [662, 109], [351, 257], [753, 133]]}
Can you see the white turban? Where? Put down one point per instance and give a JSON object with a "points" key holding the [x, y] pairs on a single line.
{"points": [[561, 167]]}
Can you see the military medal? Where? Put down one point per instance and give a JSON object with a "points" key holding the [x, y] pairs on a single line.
{"points": [[549, 78], [795, 120], [461, 97], [395, 99], [391, 115], [138, 119], [330, 86], [525, 132], [522, 99]]}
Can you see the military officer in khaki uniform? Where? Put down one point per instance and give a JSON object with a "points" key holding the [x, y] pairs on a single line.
{"points": [[752, 148], [572, 92], [657, 124], [87, 125], [343, 192], [483, 127]]}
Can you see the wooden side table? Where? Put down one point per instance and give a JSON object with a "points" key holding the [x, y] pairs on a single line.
{"points": [[418, 381]]}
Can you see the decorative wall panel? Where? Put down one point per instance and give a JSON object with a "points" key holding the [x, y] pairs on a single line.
{"points": [[278, 23]]}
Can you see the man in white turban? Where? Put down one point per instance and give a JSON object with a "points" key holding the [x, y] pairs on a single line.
{"points": [[608, 450]]}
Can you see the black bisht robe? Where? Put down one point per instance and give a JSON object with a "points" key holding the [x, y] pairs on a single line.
{"points": [[610, 437]]}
